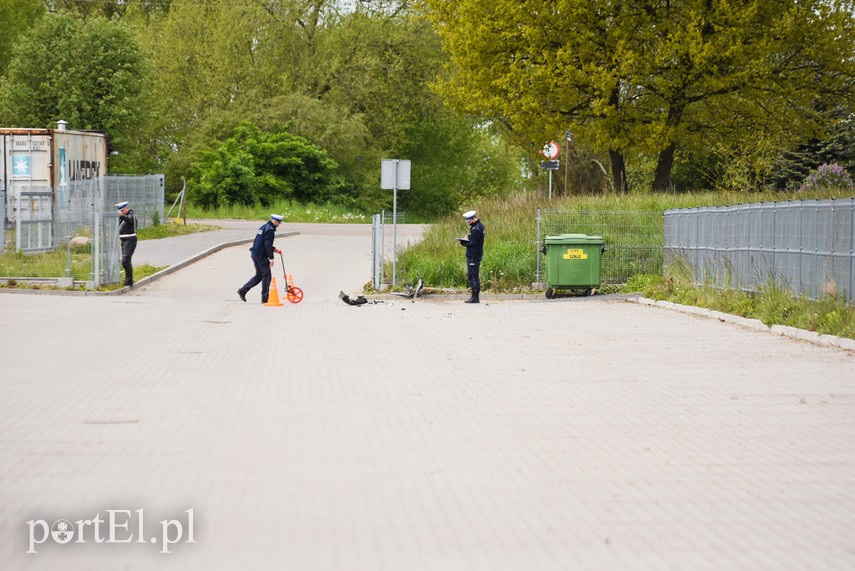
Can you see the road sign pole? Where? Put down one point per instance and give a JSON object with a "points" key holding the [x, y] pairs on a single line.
{"points": [[550, 185], [395, 229], [567, 165], [395, 174]]}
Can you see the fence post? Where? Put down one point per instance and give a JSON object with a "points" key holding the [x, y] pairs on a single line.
{"points": [[376, 252], [96, 234], [851, 293], [537, 249]]}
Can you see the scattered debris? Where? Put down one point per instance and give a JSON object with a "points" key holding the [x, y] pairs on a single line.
{"points": [[411, 291], [346, 299]]}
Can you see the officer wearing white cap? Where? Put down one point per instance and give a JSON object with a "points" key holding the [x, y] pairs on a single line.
{"points": [[127, 238], [262, 258], [474, 244]]}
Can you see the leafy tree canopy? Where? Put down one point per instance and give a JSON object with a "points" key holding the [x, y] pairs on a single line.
{"points": [[90, 73], [650, 77], [254, 167], [16, 17]]}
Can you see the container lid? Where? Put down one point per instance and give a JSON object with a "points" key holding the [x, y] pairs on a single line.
{"points": [[574, 239]]}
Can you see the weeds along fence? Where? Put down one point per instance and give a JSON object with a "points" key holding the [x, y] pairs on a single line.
{"points": [[86, 209], [805, 246], [633, 239]]}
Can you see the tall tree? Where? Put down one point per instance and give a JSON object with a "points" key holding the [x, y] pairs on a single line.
{"points": [[16, 17], [647, 75], [90, 73], [379, 65]]}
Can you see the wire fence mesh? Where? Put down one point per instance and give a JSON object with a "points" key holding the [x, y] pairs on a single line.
{"points": [[633, 239], [384, 245], [85, 209]]}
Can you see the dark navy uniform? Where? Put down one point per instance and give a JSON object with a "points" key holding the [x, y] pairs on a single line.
{"points": [[261, 252], [128, 241], [474, 244]]}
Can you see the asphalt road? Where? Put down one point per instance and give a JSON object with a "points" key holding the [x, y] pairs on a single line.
{"points": [[530, 434]]}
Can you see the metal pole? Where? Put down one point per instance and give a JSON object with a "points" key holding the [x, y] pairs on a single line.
{"points": [[382, 246], [550, 184], [566, 165], [68, 257], [537, 246], [395, 227], [182, 209], [96, 233], [395, 230], [851, 295], [374, 281]]}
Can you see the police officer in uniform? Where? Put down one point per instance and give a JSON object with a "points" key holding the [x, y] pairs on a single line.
{"points": [[474, 244], [127, 238], [262, 258]]}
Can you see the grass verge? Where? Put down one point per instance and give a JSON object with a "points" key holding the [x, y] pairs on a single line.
{"points": [[293, 212], [771, 305], [510, 257], [58, 263], [173, 229]]}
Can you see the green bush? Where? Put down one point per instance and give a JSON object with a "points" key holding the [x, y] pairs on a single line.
{"points": [[253, 167]]}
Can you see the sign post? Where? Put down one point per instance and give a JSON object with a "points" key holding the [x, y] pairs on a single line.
{"points": [[568, 138], [394, 174], [550, 151]]}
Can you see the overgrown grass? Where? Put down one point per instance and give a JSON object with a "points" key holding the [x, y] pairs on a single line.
{"points": [[771, 305], [140, 272], [54, 263], [510, 257], [51, 264], [173, 229], [293, 212]]}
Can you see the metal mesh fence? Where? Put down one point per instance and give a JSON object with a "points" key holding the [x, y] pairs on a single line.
{"points": [[34, 227], [382, 244], [807, 246], [85, 208], [633, 238], [145, 193]]}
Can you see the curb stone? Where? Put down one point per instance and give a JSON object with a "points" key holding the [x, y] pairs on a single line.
{"points": [[783, 330]]}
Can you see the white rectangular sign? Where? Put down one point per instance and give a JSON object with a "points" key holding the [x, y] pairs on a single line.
{"points": [[395, 173]]}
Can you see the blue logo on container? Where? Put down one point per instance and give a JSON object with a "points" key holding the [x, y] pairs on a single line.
{"points": [[21, 167]]}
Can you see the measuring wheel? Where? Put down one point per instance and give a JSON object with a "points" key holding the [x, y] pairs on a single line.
{"points": [[294, 295]]}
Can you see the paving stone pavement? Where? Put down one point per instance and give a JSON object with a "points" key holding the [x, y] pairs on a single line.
{"points": [[585, 433]]}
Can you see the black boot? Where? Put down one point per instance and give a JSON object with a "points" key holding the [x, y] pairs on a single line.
{"points": [[473, 298]]}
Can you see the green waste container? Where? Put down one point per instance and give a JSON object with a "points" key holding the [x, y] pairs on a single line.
{"points": [[573, 262]]}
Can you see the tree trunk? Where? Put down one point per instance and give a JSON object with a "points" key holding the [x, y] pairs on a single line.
{"points": [[662, 179], [618, 171]]}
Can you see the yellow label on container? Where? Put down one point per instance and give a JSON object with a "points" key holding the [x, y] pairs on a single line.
{"points": [[575, 255]]}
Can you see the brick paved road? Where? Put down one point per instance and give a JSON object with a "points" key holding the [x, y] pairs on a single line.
{"points": [[564, 434]]}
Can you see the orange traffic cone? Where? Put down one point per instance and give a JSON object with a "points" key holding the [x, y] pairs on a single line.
{"points": [[273, 294]]}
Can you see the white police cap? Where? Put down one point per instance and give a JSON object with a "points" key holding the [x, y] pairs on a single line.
{"points": [[469, 215], [121, 205], [278, 217]]}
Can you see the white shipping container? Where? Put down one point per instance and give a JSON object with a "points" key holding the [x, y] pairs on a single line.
{"points": [[46, 160], [37, 172]]}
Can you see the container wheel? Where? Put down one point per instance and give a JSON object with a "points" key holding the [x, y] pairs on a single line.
{"points": [[589, 291], [550, 293]]}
